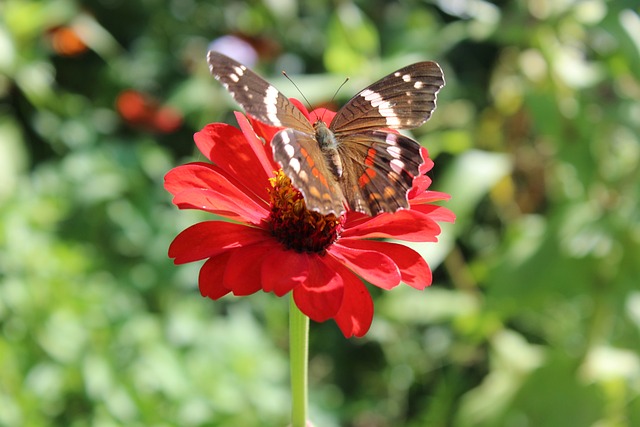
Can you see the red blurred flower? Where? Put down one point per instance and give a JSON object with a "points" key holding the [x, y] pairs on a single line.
{"points": [[142, 110], [273, 243]]}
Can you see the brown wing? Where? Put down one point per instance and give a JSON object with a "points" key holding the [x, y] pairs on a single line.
{"points": [[256, 96], [379, 170], [404, 99]]}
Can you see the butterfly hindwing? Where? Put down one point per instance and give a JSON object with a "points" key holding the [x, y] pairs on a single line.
{"points": [[403, 99], [256, 96], [303, 162], [380, 170]]}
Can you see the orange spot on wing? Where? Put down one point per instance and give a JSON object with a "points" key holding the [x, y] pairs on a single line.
{"points": [[371, 157], [323, 180], [366, 177], [375, 197], [311, 164], [315, 192], [389, 192], [307, 157]]}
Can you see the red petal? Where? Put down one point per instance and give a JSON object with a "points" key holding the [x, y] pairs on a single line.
{"points": [[224, 205], [264, 131], [321, 113], [414, 269], [187, 176], [320, 296], [204, 187], [264, 156], [210, 238], [422, 181], [428, 163], [405, 224], [243, 274], [420, 184], [227, 147], [435, 212], [214, 134], [355, 218], [356, 312], [430, 196], [211, 274], [374, 267], [283, 270]]}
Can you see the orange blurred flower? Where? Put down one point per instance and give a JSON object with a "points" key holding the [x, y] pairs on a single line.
{"points": [[66, 41]]}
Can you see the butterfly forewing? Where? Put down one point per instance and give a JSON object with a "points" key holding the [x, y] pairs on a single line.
{"points": [[404, 99], [256, 96], [303, 162]]}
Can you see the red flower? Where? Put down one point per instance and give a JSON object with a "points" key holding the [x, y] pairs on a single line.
{"points": [[271, 242], [143, 110]]}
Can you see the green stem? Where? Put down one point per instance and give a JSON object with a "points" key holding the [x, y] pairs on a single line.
{"points": [[299, 355]]}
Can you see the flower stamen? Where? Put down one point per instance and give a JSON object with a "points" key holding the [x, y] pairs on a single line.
{"points": [[296, 227]]}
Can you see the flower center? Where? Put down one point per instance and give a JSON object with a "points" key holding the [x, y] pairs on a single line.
{"points": [[294, 225]]}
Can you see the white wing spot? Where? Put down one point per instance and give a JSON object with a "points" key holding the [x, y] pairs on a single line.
{"points": [[234, 77], [384, 107], [288, 148], [393, 121], [271, 102], [386, 110], [406, 77], [394, 150], [295, 165], [418, 85], [379, 103], [246, 88], [239, 71], [368, 94], [396, 74], [397, 166]]}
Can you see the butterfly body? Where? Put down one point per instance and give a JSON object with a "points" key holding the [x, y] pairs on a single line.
{"points": [[357, 162], [329, 147]]}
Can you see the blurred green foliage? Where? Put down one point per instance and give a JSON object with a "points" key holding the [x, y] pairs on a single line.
{"points": [[534, 315]]}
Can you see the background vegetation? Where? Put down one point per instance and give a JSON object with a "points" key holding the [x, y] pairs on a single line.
{"points": [[534, 315]]}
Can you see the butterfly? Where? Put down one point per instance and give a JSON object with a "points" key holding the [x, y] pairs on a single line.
{"points": [[356, 162]]}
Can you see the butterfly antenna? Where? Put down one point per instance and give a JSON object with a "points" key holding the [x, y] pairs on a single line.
{"points": [[336, 94], [339, 87], [284, 73]]}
